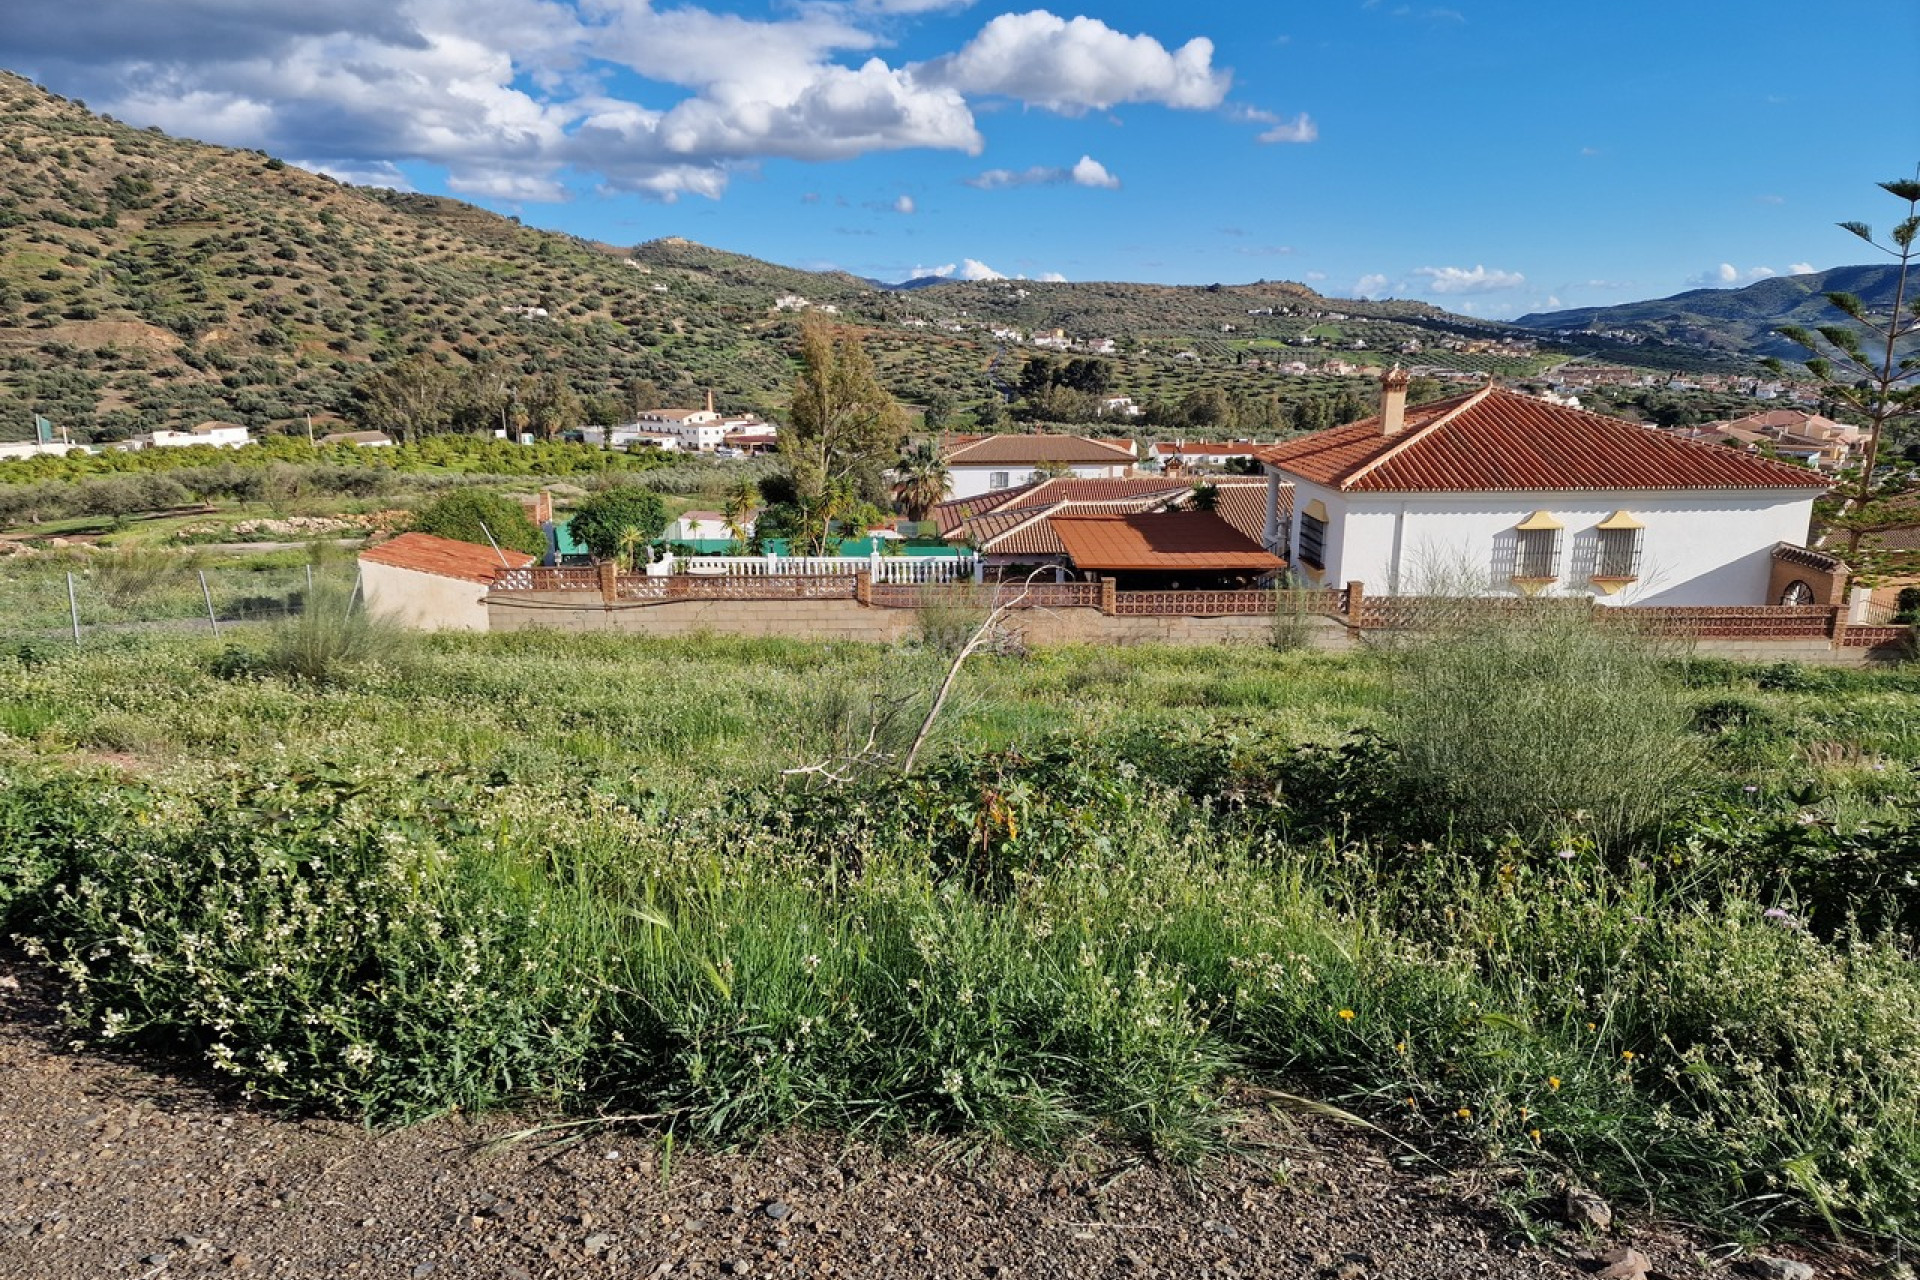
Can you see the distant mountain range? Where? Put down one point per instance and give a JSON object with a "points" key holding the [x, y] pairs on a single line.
{"points": [[1733, 321]]}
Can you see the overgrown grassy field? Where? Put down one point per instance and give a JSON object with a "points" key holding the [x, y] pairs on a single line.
{"points": [[575, 872]]}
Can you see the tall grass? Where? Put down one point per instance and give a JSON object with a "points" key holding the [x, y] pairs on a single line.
{"points": [[1534, 718], [334, 636]]}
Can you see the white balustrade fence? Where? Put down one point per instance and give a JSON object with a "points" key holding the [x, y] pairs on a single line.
{"points": [[885, 569]]}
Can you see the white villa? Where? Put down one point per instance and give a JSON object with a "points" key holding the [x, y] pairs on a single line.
{"points": [[987, 464], [221, 435], [694, 430], [1519, 496]]}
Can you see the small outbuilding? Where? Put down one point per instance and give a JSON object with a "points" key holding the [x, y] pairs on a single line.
{"points": [[431, 583]]}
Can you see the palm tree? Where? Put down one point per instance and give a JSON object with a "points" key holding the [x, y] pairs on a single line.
{"points": [[920, 480], [742, 500]]}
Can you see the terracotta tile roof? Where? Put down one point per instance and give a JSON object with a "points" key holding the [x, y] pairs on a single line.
{"points": [[1166, 540], [955, 512], [444, 557], [1244, 506], [1493, 440], [960, 515], [995, 523], [1036, 449], [1030, 532], [1795, 421]]}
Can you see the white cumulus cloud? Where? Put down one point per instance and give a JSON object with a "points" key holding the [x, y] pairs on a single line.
{"points": [[1370, 286], [904, 204], [1073, 65], [1088, 172], [1461, 280], [514, 99], [1802, 269]]}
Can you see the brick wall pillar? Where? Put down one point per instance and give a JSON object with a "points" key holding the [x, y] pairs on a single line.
{"points": [[1109, 597], [1836, 623], [863, 586], [609, 580], [1356, 597]]}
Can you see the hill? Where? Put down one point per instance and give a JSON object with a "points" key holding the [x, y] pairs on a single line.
{"points": [[1738, 321], [151, 281]]}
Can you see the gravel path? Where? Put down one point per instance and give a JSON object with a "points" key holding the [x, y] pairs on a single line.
{"points": [[107, 1170]]}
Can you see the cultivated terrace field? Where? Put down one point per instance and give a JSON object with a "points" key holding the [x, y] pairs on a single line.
{"points": [[1523, 894]]}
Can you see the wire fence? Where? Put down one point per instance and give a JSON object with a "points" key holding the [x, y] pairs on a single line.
{"points": [[72, 599]]}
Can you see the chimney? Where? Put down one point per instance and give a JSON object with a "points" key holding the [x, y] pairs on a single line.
{"points": [[1393, 401]]}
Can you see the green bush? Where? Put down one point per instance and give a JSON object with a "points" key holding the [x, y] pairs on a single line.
{"points": [[1532, 718], [619, 523], [469, 515]]}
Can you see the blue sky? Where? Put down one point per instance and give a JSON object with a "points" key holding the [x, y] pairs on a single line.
{"points": [[1492, 157]]}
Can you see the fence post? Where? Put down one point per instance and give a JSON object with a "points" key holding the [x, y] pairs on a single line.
{"points": [[73, 607], [1836, 624], [1356, 598], [207, 594], [609, 580], [1109, 597], [863, 586]]}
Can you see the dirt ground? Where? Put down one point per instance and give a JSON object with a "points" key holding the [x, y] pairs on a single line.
{"points": [[109, 1170]]}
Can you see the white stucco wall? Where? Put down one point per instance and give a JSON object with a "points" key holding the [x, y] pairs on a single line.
{"points": [[423, 601], [971, 481], [1698, 547]]}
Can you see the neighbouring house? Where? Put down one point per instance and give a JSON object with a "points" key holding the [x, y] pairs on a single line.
{"points": [[221, 435], [1172, 455], [698, 527], [979, 465], [40, 448], [359, 439], [629, 434], [1812, 438], [1165, 550], [431, 583], [748, 442], [698, 429], [1504, 494]]}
